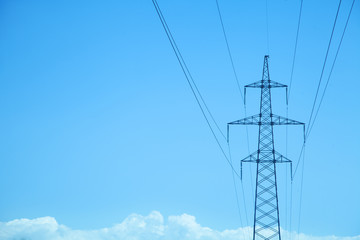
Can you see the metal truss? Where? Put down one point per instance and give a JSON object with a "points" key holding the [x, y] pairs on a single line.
{"points": [[261, 84], [275, 120], [266, 214]]}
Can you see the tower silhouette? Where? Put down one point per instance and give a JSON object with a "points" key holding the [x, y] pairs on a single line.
{"points": [[266, 214]]}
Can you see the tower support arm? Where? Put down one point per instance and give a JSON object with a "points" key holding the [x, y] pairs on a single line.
{"points": [[253, 158], [269, 84], [278, 158], [275, 120]]}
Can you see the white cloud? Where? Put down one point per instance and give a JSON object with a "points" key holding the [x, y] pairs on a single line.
{"points": [[134, 227]]}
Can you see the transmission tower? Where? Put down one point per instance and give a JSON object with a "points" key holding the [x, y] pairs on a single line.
{"points": [[266, 214]]}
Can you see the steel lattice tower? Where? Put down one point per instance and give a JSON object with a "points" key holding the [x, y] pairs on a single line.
{"points": [[266, 214]]}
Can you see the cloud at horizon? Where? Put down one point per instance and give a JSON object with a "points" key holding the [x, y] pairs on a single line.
{"points": [[134, 227]]}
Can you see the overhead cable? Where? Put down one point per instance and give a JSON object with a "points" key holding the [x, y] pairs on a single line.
{"points": [[182, 61], [295, 49], [323, 68], [301, 192], [228, 50], [332, 66], [267, 27], [237, 199], [323, 94], [191, 82], [238, 85]]}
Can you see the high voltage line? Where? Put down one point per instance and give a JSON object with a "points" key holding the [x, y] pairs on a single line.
{"points": [[188, 78], [333, 64], [287, 102], [229, 52], [184, 66], [323, 67], [267, 27], [243, 101], [311, 124], [192, 84], [295, 49]]}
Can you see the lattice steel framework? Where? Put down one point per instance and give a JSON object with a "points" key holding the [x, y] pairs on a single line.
{"points": [[266, 214]]}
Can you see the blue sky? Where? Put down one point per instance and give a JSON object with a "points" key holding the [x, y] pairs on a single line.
{"points": [[98, 121]]}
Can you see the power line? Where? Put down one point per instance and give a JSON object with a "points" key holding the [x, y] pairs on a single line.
{"points": [[288, 97], [323, 94], [295, 48], [332, 66], [323, 68], [267, 27], [321, 100], [190, 80], [291, 195], [248, 148], [166, 27], [301, 192], [242, 98], [238, 85], [299, 160], [237, 198], [228, 50], [286, 170], [318, 87]]}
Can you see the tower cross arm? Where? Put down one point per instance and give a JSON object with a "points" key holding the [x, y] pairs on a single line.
{"points": [[262, 84], [275, 120], [279, 120], [252, 120], [277, 158]]}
